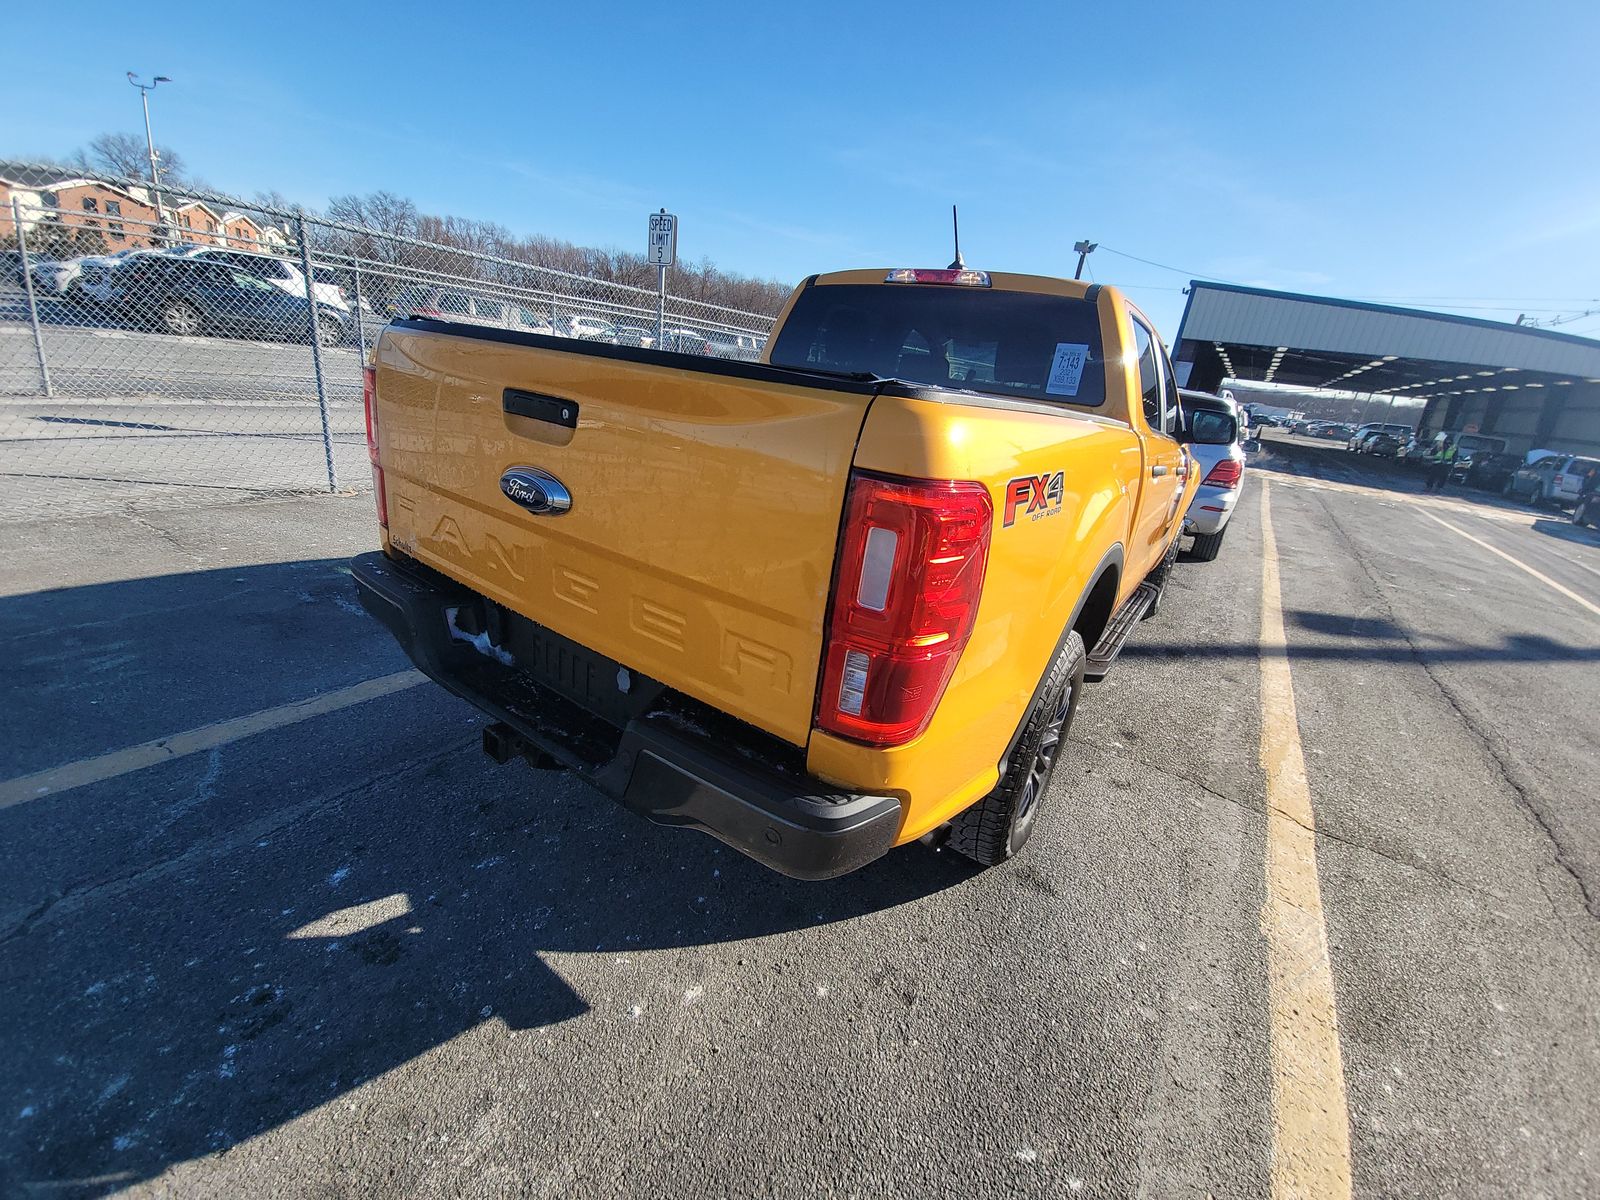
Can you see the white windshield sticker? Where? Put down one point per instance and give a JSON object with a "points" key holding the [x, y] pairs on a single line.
{"points": [[1066, 369]]}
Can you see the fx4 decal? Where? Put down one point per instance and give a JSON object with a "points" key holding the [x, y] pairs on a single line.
{"points": [[1041, 494]]}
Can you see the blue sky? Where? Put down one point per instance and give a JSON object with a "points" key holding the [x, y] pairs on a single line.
{"points": [[1438, 153]]}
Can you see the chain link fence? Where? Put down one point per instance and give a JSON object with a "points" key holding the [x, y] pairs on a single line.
{"points": [[180, 348]]}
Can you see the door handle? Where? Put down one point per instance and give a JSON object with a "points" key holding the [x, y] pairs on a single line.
{"points": [[1159, 470]]}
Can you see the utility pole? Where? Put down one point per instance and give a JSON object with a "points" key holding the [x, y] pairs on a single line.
{"points": [[150, 143], [1084, 249]]}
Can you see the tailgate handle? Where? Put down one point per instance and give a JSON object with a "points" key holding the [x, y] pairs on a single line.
{"points": [[553, 409]]}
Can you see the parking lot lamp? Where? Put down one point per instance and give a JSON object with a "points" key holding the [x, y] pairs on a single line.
{"points": [[150, 142]]}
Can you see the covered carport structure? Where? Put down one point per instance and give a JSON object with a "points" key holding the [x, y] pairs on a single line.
{"points": [[1537, 388]]}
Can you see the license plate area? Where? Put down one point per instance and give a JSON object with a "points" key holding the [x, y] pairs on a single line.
{"points": [[589, 679]]}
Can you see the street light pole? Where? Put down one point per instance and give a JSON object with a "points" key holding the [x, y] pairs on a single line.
{"points": [[1084, 249], [150, 142]]}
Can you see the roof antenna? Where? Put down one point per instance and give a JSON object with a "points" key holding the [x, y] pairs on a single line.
{"points": [[955, 225]]}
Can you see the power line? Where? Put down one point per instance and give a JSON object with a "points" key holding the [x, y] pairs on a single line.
{"points": [[1163, 266], [1509, 305]]}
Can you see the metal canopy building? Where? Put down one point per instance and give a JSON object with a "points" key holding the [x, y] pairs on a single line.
{"points": [[1534, 387]]}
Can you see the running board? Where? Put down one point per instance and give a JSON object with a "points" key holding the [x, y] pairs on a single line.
{"points": [[1122, 623]]}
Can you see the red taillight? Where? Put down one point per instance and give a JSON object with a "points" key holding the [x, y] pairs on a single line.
{"points": [[963, 276], [369, 402], [910, 576], [1226, 473]]}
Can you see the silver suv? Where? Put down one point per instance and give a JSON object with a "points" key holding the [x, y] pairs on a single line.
{"points": [[1212, 429]]}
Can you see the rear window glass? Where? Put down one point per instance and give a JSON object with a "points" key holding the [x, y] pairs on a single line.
{"points": [[1010, 343], [455, 303], [1211, 428]]}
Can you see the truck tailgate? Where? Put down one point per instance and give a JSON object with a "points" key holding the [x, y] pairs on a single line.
{"points": [[705, 501]]}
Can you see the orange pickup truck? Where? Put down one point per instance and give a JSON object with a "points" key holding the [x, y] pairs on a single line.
{"points": [[817, 606]]}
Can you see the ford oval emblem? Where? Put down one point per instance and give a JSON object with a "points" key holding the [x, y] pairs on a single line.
{"points": [[537, 491]]}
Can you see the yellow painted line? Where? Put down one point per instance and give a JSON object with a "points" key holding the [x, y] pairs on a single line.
{"points": [[1310, 1116], [1519, 564], [193, 741]]}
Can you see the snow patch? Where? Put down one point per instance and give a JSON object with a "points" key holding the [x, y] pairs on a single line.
{"points": [[691, 995], [478, 641], [338, 877], [1027, 1155]]}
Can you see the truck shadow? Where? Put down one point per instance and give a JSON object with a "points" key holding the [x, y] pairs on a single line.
{"points": [[232, 940]]}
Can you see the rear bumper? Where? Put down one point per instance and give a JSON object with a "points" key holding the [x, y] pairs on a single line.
{"points": [[676, 762], [1209, 510]]}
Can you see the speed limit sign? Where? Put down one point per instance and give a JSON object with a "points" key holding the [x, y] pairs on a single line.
{"points": [[663, 250]]}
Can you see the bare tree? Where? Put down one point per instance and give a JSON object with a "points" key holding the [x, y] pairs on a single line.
{"points": [[126, 154]]}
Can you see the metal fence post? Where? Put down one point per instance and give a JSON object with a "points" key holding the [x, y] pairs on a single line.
{"points": [[33, 307], [361, 333], [316, 346]]}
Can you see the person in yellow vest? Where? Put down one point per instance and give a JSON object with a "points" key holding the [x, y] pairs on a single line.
{"points": [[1441, 460]]}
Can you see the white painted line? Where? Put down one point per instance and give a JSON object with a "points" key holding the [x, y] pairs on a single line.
{"points": [[192, 741], [1310, 1114], [1519, 564]]}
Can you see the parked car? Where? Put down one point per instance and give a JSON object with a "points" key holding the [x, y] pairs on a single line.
{"points": [[743, 347], [589, 329], [1214, 432], [95, 275], [686, 341], [456, 304], [1357, 440], [1490, 472], [1467, 447], [913, 577], [1555, 480], [637, 336], [1383, 444], [280, 272], [185, 295], [64, 278]]}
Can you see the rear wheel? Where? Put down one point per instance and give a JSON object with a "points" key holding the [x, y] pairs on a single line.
{"points": [[1207, 546], [329, 331], [180, 317], [1000, 824]]}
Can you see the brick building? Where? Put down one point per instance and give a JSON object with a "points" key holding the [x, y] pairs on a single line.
{"points": [[89, 217]]}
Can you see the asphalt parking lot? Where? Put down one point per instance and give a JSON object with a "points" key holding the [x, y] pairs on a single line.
{"points": [[142, 418], [333, 950]]}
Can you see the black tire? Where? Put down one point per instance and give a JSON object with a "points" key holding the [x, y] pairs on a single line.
{"points": [[998, 826], [179, 317], [1207, 545]]}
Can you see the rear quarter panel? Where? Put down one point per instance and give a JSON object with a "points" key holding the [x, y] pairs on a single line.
{"points": [[1039, 566]]}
